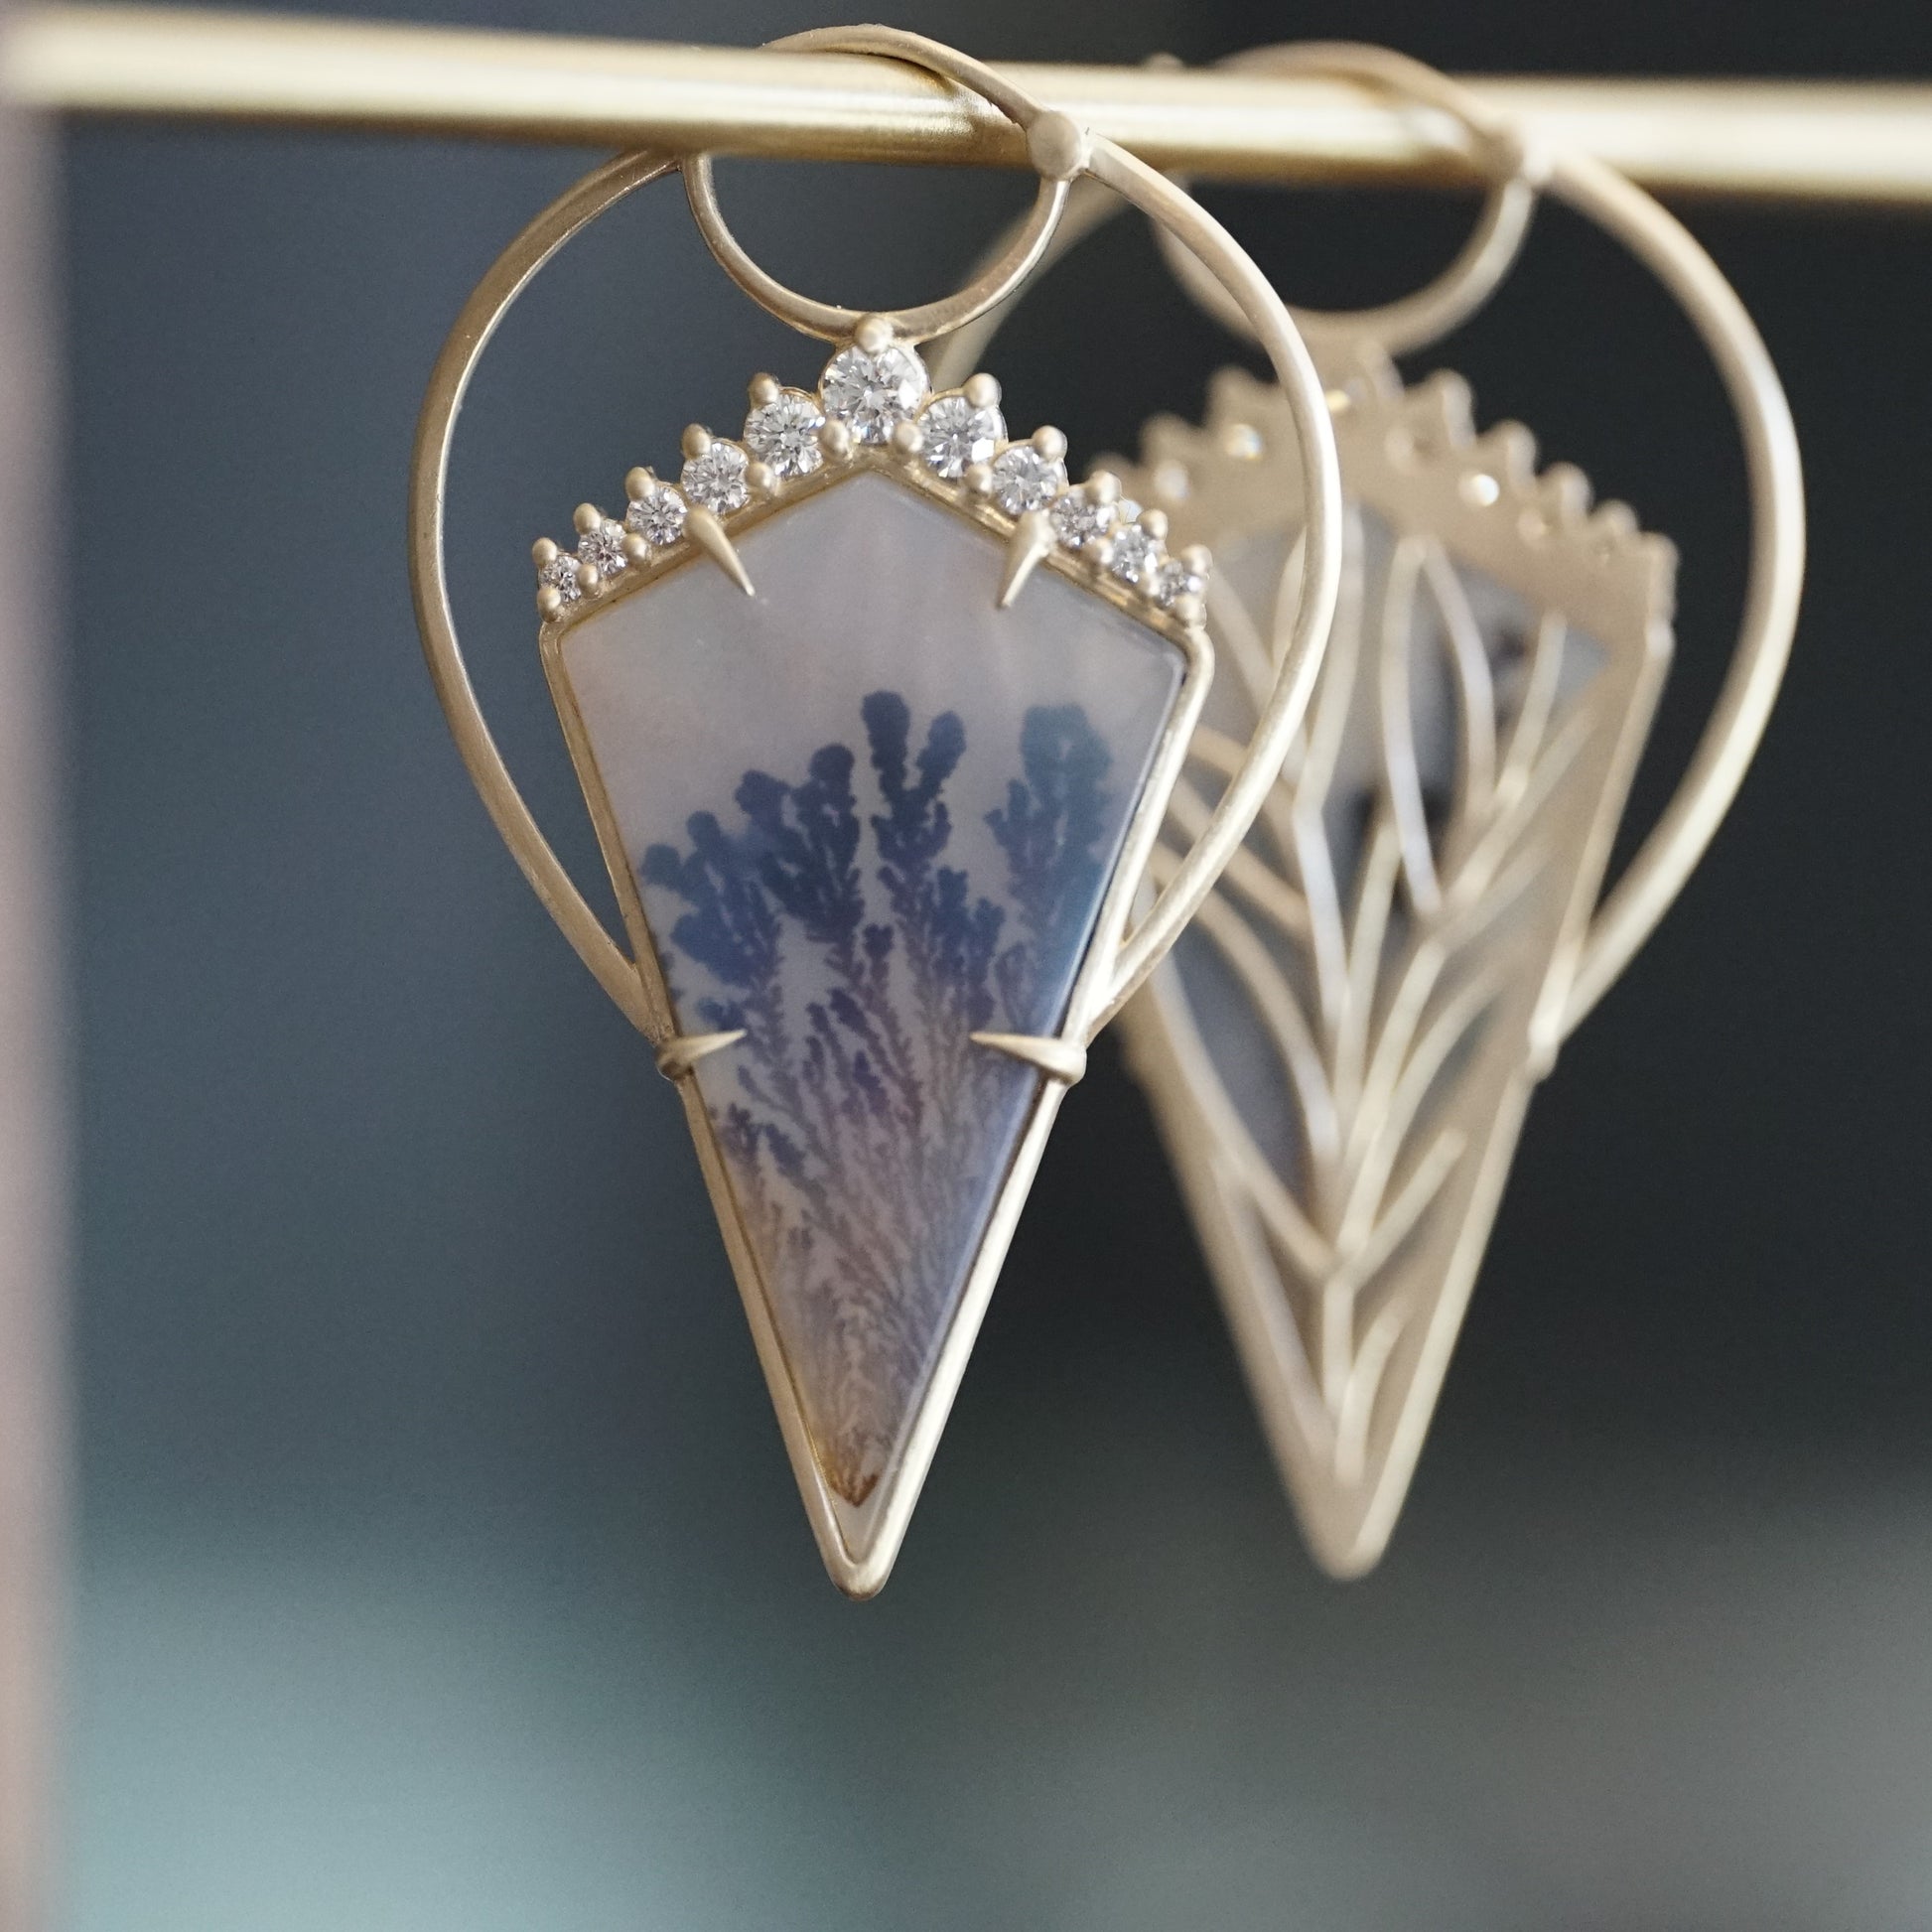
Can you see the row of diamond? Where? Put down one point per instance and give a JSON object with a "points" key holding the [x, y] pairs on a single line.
{"points": [[877, 392]]}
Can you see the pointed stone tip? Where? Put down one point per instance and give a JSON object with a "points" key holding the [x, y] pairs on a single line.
{"points": [[1059, 1060], [1032, 539], [704, 529]]}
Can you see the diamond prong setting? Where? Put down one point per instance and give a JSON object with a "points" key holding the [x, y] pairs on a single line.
{"points": [[874, 406]]}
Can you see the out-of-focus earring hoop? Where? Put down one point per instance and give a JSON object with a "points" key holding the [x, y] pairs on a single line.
{"points": [[1340, 1052], [872, 974]]}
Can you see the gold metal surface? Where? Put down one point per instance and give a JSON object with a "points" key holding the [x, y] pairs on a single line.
{"points": [[1833, 140]]}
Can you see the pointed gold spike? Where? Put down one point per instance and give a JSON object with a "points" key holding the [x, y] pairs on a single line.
{"points": [[1059, 1060], [679, 1055], [1032, 539], [704, 529]]}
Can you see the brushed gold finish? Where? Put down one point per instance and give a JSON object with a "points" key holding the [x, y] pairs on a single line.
{"points": [[1346, 1279], [1785, 140]]}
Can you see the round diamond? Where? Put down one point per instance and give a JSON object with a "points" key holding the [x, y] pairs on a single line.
{"points": [[560, 572], [716, 479], [1133, 554], [657, 516], [1023, 480], [784, 433], [603, 548], [1174, 580], [871, 390], [957, 436], [1079, 520]]}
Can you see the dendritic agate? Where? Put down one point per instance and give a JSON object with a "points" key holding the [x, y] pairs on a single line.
{"points": [[867, 815], [1341, 1046]]}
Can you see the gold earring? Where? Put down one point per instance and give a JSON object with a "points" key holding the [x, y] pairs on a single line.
{"points": [[1341, 1050], [878, 718]]}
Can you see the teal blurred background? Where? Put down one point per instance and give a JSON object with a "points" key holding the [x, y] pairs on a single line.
{"points": [[438, 1563]]}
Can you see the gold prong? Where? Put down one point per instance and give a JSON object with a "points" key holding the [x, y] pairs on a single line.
{"points": [[1032, 539], [873, 333], [704, 529], [1155, 523], [636, 548], [680, 1053], [695, 441], [550, 600], [1198, 558], [908, 438], [588, 580], [761, 480], [1059, 1060], [1103, 487], [981, 391], [587, 518], [835, 439], [979, 480], [543, 552], [1189, 609], [763, 389], [1050, 444], [638, 484]]}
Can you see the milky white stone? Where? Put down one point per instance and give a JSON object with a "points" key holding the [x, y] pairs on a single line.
{"points": [[713, 715]]}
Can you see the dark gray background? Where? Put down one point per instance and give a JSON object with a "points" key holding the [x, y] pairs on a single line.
{"points": [[438, 1564]]}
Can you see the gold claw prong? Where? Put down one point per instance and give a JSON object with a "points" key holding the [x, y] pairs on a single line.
{"points": [[695, 441], [1059, 1060], [543, 551], [638, 483], [1032, 539], [587, 518], [763, 389], [982, 391], [873, 333], [680, 1053], [704, 529]]}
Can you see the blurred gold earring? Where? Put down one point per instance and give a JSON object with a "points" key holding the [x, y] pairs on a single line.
{"points": [[1341, 1050]]}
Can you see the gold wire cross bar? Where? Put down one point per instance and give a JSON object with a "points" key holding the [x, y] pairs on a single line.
{"points": [[1779, 140]]}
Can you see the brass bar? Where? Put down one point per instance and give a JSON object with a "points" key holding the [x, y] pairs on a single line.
{"points": [[1817, 141]]}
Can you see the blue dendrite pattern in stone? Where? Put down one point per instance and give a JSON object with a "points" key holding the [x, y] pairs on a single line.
{"points": [[868, 1134]]}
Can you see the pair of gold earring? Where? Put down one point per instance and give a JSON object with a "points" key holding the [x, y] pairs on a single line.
{"points": [[1298, 744]]}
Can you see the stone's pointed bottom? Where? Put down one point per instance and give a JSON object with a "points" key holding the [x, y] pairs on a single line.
{"points": [[870, 816]]}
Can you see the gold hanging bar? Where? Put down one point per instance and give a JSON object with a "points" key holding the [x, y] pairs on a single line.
{"points": [[1815, 141]]}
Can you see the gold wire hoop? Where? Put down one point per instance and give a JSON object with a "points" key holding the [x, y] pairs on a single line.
{"points": [[1429, 313], [1013, 263], [1063, 151], [1631, 911]]}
